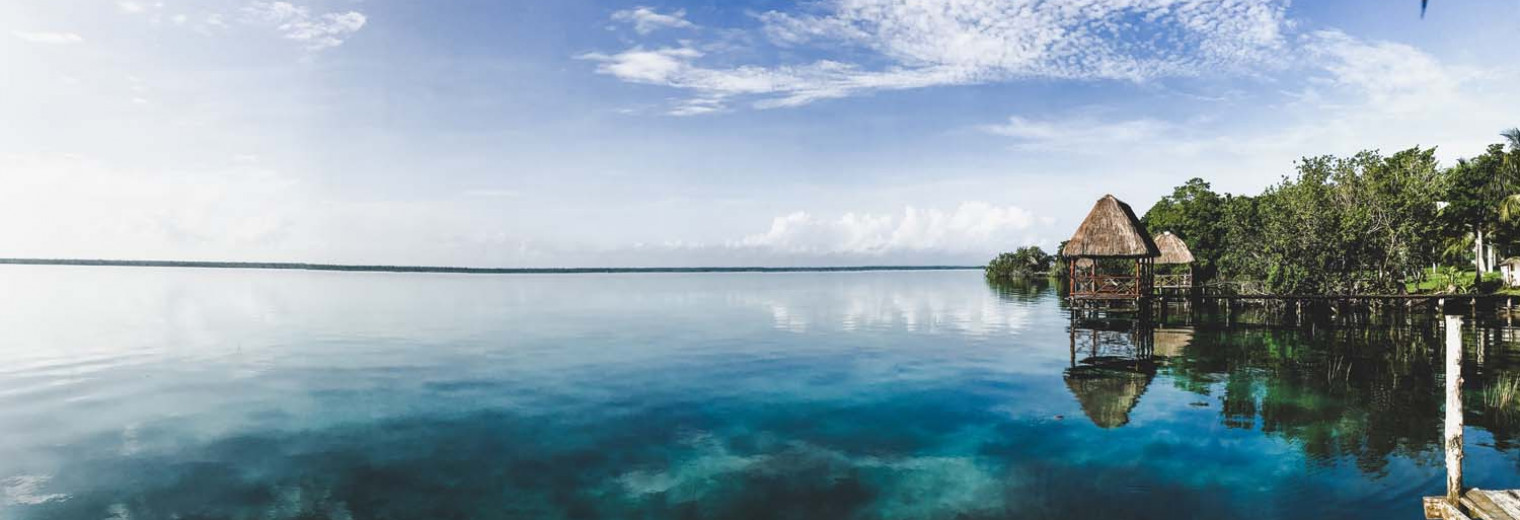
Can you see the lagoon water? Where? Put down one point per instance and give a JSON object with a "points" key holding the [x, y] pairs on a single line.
{"points": [[149, 393]]}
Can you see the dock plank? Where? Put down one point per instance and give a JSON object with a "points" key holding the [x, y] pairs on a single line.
{"points": [[1476, 504], [1437, 508], [1481, 508], [1507, 501]]}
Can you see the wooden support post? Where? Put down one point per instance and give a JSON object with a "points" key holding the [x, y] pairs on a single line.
{"points": [[1073, 327], [1071, 279], [1453, 409]]}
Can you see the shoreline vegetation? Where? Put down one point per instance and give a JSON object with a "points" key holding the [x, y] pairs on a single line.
{"points": [[299, 266], [1361, 225]]}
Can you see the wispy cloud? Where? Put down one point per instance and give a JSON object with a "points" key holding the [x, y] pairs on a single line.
{"points": [[1345, 94], [970, 227], [1078, 134], [48, 37], [128, 6], [492, 193], [297, 23], [905, 44], [646, 20], [1392, 76]]}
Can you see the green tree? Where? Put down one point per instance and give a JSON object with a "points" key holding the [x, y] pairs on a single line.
{"points": [[1192, 212], [1026, 261], [1344, 224], [1476, 193], [1241, 255]]}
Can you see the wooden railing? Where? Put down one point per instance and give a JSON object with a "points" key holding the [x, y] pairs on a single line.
{"points": [[1236, 288], [1106, 286], [1174, 281]]}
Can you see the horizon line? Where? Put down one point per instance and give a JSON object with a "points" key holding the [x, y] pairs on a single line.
{"points": [[307, 266]]}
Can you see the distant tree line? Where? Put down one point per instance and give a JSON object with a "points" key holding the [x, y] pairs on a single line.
{"points": [[1025, 262]]}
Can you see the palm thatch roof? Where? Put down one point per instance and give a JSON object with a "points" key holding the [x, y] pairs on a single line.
{"points": [[1111, 230], [1511, 261], [1107, 394], [1173, 249]]}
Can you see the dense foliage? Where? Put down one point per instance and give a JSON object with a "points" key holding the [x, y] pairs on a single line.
{"points": [[1367, 223], [1027, 261]]}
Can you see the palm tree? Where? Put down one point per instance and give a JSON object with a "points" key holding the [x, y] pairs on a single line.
{"points": [[1508, 177], [1509, 174]]}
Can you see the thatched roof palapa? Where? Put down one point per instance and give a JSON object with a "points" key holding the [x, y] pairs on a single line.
{"points": [[1173, 249], [1111, 230]]}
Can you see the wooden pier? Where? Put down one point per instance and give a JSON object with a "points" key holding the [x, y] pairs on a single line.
{"points": [[1476, 504], [1435, 303], [1460, 503]]}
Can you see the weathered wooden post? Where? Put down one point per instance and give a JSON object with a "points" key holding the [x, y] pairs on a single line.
{"points": [[1437, 507], [1453, 409]]}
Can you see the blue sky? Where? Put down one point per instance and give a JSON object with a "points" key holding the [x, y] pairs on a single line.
{"points": [[577, 133]]}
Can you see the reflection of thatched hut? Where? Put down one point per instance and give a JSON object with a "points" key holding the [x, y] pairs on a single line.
{"points": [[1110, 232], [1108, 392], [1174, 252], [1171, 342]]}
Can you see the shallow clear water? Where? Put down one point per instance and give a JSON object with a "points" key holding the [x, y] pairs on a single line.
{"points": [[161, 393]]}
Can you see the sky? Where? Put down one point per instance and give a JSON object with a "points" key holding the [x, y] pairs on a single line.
{"points": [[567, 133]]}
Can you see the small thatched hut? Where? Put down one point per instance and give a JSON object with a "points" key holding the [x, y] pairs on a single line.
{"points": [[1110, 232], [1174, 252], [1173, 249]]}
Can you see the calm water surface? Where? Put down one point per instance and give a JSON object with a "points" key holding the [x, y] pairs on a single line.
{"points": [[183, 393]]}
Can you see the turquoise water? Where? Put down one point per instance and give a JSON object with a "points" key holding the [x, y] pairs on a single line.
{"points": [[185, 393]]}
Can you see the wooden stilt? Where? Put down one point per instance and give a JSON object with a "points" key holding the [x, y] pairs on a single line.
{"points": [[1453, 409]]}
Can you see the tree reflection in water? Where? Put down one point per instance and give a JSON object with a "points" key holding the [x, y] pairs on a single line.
{"points": [[1367, 389]]}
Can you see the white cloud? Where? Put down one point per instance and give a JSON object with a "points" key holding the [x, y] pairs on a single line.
{"points": [[79, 207], [913, 44], [128, 6], [1389, 75], [777, 87], [646, 66], [47, 37], [492, 193], [1346, 95], [1080, 134], [698, 106], [971, 227], [298, 23], [646, 20]]}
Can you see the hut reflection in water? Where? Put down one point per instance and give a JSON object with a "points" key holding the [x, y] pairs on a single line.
{"points": [[1113, 362]]}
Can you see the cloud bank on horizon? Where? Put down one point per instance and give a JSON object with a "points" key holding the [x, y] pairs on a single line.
{"points": [[684, 133]]}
